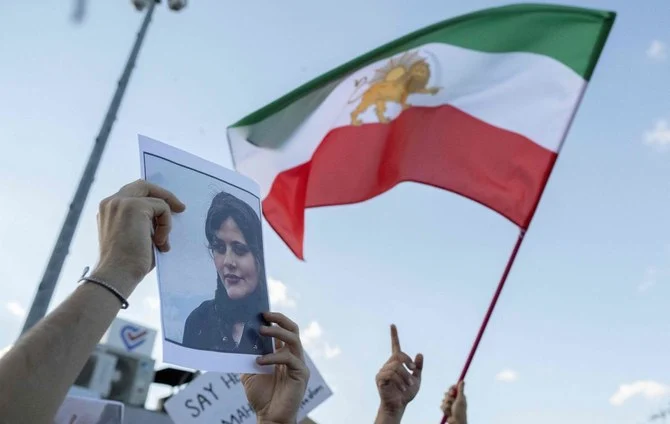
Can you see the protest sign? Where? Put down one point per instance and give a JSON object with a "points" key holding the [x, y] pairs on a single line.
{"points": [[220, 398], [81, 410], [131, 337]]}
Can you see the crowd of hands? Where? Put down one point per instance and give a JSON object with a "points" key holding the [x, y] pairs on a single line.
{"points": [[45, 362]]}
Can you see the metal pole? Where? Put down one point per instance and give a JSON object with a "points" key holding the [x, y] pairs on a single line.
{"points": [[61, 249]]}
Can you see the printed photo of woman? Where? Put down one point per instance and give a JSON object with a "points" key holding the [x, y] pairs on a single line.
{"points": [[230, 321], [212, 284]]}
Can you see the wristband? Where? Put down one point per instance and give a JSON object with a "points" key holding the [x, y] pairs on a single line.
{"points": [[115, 292]]}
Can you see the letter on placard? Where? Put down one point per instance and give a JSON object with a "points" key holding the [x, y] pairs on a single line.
{"points": [[189, 405], [210, 389], [203, 400]]}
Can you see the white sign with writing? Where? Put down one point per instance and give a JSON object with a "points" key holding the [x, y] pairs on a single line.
{"points": [[131, 337], [220, 398], [80, 410]]}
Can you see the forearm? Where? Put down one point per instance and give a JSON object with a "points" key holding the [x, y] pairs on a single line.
{"points": [[387, 417], [45, 362]]}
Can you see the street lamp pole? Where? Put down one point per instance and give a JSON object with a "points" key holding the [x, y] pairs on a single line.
{"points": [[61, 249]]}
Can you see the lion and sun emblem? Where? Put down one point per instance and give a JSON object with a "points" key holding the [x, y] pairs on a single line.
{"points": [[394, 82]]}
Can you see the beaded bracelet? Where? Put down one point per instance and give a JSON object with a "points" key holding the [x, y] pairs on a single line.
{"points": [[115, 292]]}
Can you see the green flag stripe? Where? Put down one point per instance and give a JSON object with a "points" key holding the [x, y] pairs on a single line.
{"points": [[571, 35]]}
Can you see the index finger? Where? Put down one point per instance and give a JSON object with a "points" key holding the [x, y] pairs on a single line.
{"points": [[287, 327], [395, 341], [282, 321], [141, 188]]}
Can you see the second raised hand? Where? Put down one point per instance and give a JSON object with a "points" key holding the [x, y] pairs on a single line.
{"points": [[398, 381]]}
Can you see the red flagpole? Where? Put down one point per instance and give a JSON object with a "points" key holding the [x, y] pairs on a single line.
{"points": [[492, 306]]}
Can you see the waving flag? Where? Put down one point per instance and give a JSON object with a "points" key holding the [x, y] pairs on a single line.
{"points": [[478, 105]]}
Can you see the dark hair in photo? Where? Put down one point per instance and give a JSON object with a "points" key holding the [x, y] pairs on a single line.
{"points": [[224, 205]]}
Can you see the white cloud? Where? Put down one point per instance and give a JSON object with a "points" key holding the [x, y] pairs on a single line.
{"points": [[647, 388], [652, 276], [649, 279], [16, 309], [152, 303], [508, 376], [312, 333], [279, 294], [312, 339], [659, 135], [657, 50], [331, 352]]}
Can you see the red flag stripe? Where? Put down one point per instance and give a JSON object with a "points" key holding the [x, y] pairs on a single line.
{"points": [[439, 146]]}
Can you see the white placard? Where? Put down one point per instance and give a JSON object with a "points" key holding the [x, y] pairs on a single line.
{"points": [[131, 337], [80, 410], [212, 283], [220, 398]]}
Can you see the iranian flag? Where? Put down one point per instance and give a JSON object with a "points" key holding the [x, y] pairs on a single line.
{"points": [[478, 105]]}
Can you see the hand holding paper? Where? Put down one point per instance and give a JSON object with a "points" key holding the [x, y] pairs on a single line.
{"points": [[276, 397], [129, 221]]}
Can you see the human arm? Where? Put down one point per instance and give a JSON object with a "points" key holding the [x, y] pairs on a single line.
{"points": [[397, 387], [276, 397], [454, 406], [45, 362]]}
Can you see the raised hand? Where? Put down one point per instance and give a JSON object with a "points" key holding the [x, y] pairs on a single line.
{"points": [[276, 397], [454, 406], [397, 386], [130, 223]]}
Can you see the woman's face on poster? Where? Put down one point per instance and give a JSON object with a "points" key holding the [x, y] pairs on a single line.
{"points": [[234, 261]]}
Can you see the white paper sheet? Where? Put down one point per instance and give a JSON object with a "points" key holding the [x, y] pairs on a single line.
{"points": [[187, 275]]}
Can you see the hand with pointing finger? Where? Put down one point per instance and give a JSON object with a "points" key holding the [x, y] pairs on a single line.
{"points": [[398, 382], [130, 223]]}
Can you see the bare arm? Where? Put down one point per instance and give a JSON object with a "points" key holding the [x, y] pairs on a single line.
{"points": [[384, 417], [46, 361], [37, 373]]}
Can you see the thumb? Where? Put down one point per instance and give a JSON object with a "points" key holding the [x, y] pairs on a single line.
{"points": [[418, 362], [460, 395]]}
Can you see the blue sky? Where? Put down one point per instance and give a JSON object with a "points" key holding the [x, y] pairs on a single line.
{"points": [[585, 309]]}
